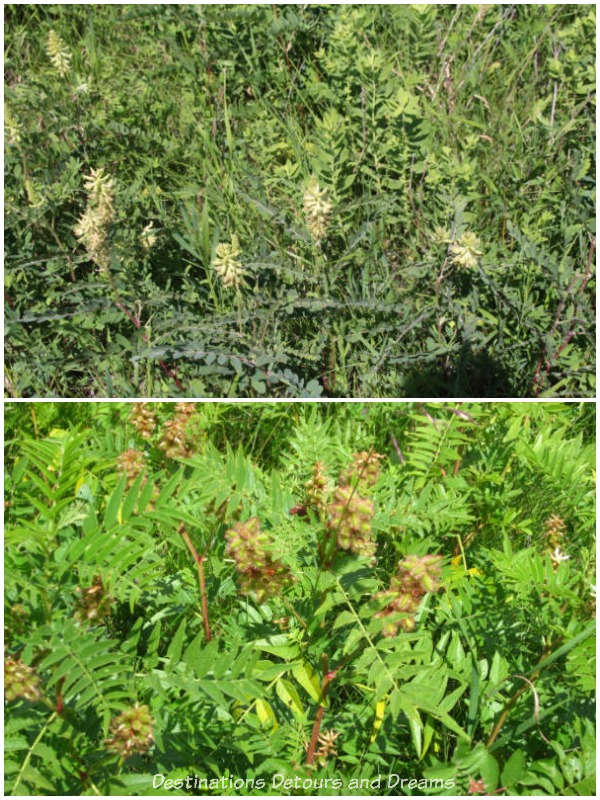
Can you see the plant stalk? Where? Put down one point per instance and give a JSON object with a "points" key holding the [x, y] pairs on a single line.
{"points": [[329, 676], [201, 582]]}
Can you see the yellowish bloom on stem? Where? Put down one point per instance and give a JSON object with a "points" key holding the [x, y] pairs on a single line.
{"points": [[465, 251], [101, 193], [148, 237], [317, 210], [93, 225], [227, 265], [58, 54]]}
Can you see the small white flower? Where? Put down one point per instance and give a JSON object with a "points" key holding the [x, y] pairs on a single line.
{"points": [[557, 556], [82, 88]]}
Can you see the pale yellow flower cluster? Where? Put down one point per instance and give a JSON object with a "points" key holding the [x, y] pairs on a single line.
{"points": [[58, 54], [465, 251], [94, 224], [317, 210], [148, 237], [227, 265]]}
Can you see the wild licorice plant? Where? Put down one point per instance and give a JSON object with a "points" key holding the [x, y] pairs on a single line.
{"points": [[354, 200], [175, 609]]}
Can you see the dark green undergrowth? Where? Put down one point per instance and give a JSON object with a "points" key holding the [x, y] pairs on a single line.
{"points": [[422, 124], [484, 683]]}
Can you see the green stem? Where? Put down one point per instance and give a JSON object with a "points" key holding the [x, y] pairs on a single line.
{"points": [[27, 758], [366, 635]]}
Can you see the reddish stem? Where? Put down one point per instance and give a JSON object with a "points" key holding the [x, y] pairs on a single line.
{"points": [[329, 676], [201, 583], [167, 370], [60, 705]]}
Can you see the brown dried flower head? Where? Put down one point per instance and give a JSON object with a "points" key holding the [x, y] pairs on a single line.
{"points": [[131, 462], [93, 604], [143, 419], [16, 620], [555, 531], [177, 440]]}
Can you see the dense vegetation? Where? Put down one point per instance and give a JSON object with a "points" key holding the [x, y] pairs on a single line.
{"points": [[299, 200], [187, 595]]}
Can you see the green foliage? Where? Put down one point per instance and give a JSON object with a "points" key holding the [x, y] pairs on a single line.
{"points": [[423, 124], [128, 677]]}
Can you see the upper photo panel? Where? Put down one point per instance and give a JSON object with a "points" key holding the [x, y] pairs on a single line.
{"points": [[299, 200]]}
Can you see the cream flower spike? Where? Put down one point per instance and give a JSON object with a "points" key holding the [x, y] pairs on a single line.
{"points": [[148, 237], [93, 226], [227, 265], [101, 191], [58, 54], [317, 209]]}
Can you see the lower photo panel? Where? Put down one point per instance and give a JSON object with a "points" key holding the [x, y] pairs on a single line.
{"points": [[299, 598]]}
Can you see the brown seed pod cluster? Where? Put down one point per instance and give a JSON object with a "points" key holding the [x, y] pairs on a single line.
{"points": [[131, 732], [349, 518], [317, 490], [555, 531], [143, 419], [131, 462], [327, 746], [176, 441], [363, 472], [251, 548], [416, 577], [93, 604], [20, 680]]}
